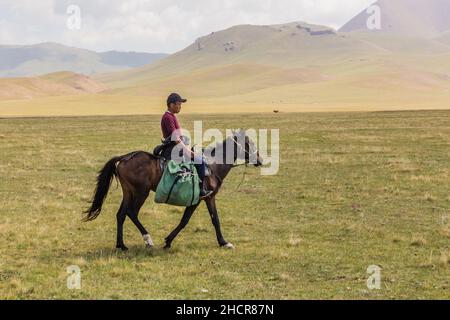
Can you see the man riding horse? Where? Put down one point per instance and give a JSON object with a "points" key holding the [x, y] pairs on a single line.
{"points": [[140, 172], [171, 131]]}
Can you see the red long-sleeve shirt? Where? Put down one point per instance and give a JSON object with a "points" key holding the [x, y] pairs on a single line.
{"points": [[169, 123]]}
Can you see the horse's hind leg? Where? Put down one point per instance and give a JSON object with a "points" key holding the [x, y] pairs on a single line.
{"points": [[121, 215], [133, 215]]}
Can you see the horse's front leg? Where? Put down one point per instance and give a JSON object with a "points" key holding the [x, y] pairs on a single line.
{"points": [[211, 204], [184, 221]]}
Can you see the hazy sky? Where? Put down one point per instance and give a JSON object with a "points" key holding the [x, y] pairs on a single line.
{"points": [[155, 25]]}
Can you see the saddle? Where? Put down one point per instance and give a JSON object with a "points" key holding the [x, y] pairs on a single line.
{"points": [[164, 150]]}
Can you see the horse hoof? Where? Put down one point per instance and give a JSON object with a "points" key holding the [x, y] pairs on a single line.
{"points": [[122, 248], [167, 247], [149, 247], [229, 246]]}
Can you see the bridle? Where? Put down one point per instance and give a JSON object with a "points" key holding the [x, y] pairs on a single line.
{"points": [[242, 149], [242, 164], [234, 139]]}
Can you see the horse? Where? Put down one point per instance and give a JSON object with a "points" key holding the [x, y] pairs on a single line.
{"points": [[140, 172]]}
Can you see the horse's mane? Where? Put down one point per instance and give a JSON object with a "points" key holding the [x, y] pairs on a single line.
{"points": [[221, 145]]}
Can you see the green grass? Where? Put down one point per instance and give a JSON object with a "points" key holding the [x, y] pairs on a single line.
{"points": [[354, 189]]}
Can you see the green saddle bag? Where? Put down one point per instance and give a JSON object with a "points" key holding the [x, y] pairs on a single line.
{"points": [[179, 185]]}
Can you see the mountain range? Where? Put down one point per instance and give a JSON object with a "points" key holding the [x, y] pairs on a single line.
{"points": [[35, 60], [293, 67]]}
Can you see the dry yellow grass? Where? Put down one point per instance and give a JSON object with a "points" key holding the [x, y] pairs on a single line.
{"points": [[108, 104]]}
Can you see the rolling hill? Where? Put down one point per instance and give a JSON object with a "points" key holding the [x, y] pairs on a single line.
{"points": [[297, 63], [281, 53], [34, 60], [54, 84]]}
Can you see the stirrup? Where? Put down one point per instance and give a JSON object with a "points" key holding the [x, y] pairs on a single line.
{"points": [[206, 194]]}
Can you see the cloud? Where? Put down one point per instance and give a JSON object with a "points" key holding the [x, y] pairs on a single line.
{"points": [[156, 25]]}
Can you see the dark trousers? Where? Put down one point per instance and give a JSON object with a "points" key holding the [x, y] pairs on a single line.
{"points": [[201, 170]]}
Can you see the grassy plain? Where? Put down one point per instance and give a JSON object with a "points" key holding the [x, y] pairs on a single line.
{"points": [[353, 190]]}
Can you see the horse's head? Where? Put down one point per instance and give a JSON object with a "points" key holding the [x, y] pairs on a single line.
{"points": [[246, 148]]}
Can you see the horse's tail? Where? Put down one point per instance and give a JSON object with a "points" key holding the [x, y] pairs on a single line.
{"points": [[104, 180]]}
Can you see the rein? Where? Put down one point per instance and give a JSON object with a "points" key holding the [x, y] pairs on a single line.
{"points": [[243, 176], [242, 164], [243, 149]]}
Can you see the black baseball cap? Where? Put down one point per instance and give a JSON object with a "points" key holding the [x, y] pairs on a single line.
{"points": [[174, 98]]}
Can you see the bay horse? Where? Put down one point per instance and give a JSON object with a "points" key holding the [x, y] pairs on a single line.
{"points": [[140, 172]]}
